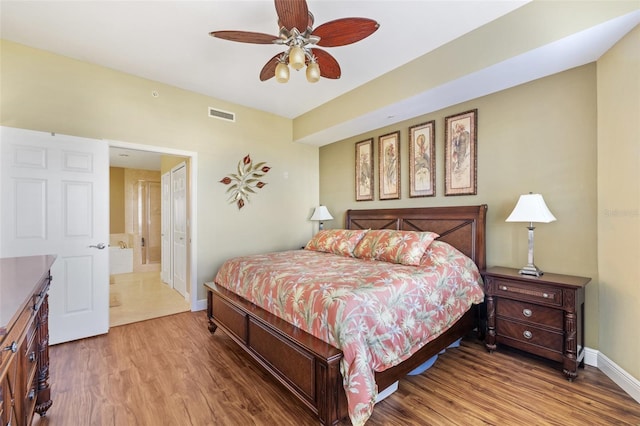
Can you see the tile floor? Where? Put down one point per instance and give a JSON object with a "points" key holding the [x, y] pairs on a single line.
{"points": [[140, 296]]}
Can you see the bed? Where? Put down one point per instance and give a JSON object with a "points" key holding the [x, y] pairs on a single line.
{"points": [[308, 365]]}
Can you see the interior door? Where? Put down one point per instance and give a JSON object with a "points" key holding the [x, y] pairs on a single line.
{"points": [[166, 263], [179, 227], [54, 191]]}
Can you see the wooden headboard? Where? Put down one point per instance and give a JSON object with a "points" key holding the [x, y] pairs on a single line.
{"points": [[463, 227]]}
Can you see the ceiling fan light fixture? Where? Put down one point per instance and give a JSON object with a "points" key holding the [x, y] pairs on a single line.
{"points": [[303, 48], [297, 57], [282, 72], [313, 72]]}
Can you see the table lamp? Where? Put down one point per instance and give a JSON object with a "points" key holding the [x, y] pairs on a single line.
{"points": [[531, 208], [320, 214]]}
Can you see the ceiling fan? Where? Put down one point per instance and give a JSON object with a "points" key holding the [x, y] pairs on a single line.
{"points": [[297, 34]]}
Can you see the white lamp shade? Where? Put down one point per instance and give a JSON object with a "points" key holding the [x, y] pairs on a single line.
{"points": [[321, 213], [531, 208]]}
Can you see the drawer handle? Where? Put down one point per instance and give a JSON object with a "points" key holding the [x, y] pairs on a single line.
{"points": [[527, 312], [32, 357], [504, 288], [527, 334], [546, 295], [12, 347]]}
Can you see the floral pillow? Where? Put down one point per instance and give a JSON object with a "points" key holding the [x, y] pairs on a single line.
{"points": [[336, 241], [404, 247]]}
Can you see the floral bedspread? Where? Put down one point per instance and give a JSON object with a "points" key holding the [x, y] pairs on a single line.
{"points": [[377, 313]]}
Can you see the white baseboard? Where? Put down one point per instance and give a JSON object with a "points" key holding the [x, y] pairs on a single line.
{"points": [[626, 381], [591, 357], [201, 305]]}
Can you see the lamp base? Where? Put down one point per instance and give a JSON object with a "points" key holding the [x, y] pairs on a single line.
{"points": [[530, 270]]}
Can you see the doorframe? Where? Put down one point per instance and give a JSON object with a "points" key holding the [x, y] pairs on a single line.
{"points": [[192, 203]]}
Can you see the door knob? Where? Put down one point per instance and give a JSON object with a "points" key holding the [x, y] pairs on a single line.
{"points": [[100, 246]]}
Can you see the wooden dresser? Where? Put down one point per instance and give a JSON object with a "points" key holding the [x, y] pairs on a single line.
{"points": [[24, 338], [541, 315]]}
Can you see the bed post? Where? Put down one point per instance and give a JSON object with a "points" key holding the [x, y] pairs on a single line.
{"points": [[212, 325], [332, 401]]}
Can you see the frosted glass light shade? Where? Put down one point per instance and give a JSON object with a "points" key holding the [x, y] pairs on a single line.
{"points": [[296, 57], [531, 208], [313, 72], [282, 73]]}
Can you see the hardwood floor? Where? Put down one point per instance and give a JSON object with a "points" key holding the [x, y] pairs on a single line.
{"points": [[172, 371], [140, 296]]}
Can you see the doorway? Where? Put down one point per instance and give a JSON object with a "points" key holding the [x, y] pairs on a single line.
{"points": [[143, 295]]}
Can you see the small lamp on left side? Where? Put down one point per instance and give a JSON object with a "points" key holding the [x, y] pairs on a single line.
{"points": [[321, 214]]}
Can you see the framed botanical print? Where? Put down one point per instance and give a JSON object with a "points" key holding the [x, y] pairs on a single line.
{"points": [[389, 166], [364, 170], [422, 160], [460, 153]]}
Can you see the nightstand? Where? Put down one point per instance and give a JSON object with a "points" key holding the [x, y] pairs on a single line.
{"points": [[540, 315]]}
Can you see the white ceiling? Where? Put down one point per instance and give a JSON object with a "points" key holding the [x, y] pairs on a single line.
{"points": [[168, 42]]}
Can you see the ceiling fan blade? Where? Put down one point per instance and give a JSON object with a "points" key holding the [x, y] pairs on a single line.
{"points": [[293, 14], [269, 69], [329, 67], [309, 22], [345, 31], [244, 36]]}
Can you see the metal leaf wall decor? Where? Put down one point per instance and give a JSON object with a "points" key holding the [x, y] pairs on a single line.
{"points": [[245, 181]]}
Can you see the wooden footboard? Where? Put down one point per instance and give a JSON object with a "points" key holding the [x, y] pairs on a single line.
{"points": [[307, 366]]}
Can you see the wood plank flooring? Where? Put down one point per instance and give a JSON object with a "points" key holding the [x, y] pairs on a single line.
{"points": [[172, 371]]}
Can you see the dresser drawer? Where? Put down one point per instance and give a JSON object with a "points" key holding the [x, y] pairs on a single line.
{"points": [[530, 313], [30, 355], [530, 292], [30, 402], [532, 339]]}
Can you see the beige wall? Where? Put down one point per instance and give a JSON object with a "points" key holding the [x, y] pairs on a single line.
{"points": [[538, 137], [619, 202], [47, 92], [116, 200]]}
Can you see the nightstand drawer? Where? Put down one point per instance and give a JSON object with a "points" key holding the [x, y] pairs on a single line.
{"points": [[530, 313], [547, 342], [528, 292]]}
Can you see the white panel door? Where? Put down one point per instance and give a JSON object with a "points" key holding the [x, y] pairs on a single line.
{"points": [[55, 200], [166, 264], [179, 227]]}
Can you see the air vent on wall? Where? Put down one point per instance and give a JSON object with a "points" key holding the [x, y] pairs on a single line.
{"points": [[222, 115]]}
